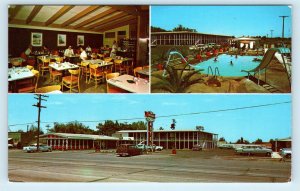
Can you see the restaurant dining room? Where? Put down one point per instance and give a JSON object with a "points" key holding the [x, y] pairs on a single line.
{"points": [[78, 49]]}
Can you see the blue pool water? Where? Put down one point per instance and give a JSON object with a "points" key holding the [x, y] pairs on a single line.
{"points": [[226, 68]]}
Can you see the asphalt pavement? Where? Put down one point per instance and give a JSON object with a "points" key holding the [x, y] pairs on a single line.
{"points": [[185, 166]]}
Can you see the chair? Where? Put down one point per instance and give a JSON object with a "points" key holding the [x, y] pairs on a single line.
{"points": [[101, 56], [59, 59], [96, 73], [54, 74], [16, 63], [119, 66], [263, 64], [44, 66], [85, 71], [31, 85], [112, 89], [48, 89], [135, 71], [71, 81], [108, 59], [29, 67]]}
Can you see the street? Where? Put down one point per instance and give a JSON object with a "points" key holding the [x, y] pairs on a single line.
{"points": [[185, 166]]}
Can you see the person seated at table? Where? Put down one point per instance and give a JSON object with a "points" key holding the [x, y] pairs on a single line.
{"points": [[88, 49], [28, 51], [83, 55], [45, 50], [69, 51]]}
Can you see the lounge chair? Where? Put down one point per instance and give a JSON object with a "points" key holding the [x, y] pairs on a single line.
{"points": [[283, 55], [263, 64]]}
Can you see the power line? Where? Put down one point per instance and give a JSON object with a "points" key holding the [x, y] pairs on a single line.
{"points": [[174, 115]]}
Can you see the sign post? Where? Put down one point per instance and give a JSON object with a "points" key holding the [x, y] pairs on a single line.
{"points": [[150, 117]]}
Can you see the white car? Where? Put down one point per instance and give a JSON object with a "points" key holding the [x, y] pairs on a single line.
{"points": [[158, 148], [33, 148]]}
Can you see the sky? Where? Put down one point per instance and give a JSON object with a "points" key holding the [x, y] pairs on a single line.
{"points": [[226, 20], [266, 123]]}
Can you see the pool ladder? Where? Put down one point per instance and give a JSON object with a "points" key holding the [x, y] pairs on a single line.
{"points": [[217, 72]]}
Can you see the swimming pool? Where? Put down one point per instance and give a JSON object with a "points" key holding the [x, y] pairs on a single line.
{"points": [[228, 69]]}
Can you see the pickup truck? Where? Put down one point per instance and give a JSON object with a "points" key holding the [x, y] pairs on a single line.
{"points": [[33, 148]]}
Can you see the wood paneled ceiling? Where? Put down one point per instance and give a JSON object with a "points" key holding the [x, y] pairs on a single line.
{"points": [[95, 18]]}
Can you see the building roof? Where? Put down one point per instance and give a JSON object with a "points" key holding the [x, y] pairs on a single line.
{"points": [[81, 136], [246, 38], [288, 139], [188, 32], [156, 131]]}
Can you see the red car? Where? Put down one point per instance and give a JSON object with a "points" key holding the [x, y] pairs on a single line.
{"points": [[128, 150]]}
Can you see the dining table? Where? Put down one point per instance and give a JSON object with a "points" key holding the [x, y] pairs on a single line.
{"points": [[19, 73], [143, 72], [63, 66], [130, 83]]}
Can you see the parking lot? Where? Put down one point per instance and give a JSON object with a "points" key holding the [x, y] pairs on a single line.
{"points": [[186, 166]]}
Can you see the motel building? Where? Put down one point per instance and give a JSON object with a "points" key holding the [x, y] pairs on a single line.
{"points": [[69, 141], [188, 38], [169, 139]]}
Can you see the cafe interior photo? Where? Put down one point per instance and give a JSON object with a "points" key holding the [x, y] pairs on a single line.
{"points": [[78, 49]]}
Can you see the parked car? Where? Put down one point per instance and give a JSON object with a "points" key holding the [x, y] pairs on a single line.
{"points": [[158, 148], [145, 147], [33, 148], [10, 146], [254, 150], [226, 146], [128, 150], [286, 152], [197, 148]]}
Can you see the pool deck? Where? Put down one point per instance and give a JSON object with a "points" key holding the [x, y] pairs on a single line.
{"points": [[276, 76]]}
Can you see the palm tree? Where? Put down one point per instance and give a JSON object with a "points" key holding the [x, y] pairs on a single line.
{"points": [[176, 81]]}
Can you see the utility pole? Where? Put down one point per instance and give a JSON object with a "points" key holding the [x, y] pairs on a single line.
{"points": [[283, 17], [271, 33], [39, 97]]}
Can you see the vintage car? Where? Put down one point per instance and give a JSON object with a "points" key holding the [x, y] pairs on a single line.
{"points": [[197, 148], [226, 146], [128, 150], [33, 148], [254, 150]]}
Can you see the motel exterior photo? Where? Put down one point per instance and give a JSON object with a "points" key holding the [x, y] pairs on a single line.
{"points": [[168, 139]]}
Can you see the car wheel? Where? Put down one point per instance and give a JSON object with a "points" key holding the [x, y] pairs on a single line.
{"points": [[49, 150], [268, 154], [288, 156]]}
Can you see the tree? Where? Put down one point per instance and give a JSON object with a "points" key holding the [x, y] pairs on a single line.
{"points": [[157, 29], [222, 139], [176, 81], [161, 128], [258, 141], [242, 141], [182, 28], [71, 127], [199, 128], [109, 127]]}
